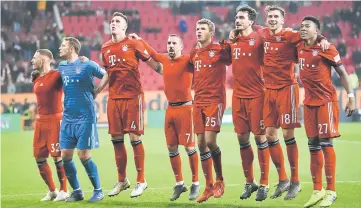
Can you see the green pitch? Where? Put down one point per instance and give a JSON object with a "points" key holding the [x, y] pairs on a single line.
{"points": [[22, 185]]}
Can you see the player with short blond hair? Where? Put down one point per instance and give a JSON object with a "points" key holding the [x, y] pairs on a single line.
{"points": [[48, 89], [209, 61]]}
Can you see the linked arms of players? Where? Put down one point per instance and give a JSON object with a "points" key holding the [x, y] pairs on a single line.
{"points": [[155, 65], [350, 106], [153, 61]]}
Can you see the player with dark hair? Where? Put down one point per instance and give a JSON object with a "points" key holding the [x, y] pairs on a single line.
{"points": [[178, 126], [282, 97], [321, 109], [246, 50]]}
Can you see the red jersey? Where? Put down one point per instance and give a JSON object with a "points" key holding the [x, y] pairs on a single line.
{"points": [[280, 55], [121, 60], [49, 92], [210, 74], [315, 72], [177, 75], [247, 66]]}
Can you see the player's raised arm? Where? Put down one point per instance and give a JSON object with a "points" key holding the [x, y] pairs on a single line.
{"points": [[155, 65], [152, 52], [143, 54]]}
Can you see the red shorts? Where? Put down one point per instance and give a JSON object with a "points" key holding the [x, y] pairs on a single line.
{"points": [[46, 136], [178, 126], [208, 118], [126, 116], [247, 115], [281, 107], [322, 121]]}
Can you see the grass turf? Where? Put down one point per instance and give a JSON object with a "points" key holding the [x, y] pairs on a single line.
{"points": [[22, 185]]}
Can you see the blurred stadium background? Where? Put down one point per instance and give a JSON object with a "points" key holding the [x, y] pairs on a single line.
{"points": [[29, 25]]}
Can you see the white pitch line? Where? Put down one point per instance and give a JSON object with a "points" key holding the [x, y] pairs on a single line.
{"points": [[160, 188], [340, 140]]}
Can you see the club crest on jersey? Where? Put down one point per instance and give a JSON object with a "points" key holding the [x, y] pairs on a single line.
{"points": [[314, 52], [278, 38], [301, 51], [125, 48], [211, 53], [77, 70], [252, 41]]}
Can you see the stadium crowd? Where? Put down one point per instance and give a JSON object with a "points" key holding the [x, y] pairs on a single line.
{"points": [[22, 33]]}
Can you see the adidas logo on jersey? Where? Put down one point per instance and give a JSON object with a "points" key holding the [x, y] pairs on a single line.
{"points": [[41, 84]]}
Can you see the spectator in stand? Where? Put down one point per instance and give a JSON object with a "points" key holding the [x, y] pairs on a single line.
{"points": [[183, 26], [293, 7], [53, 47], [136, 23], [13, 107], [85, 47], [334, 30], [97, 42], [106, 27], [223, 30], [356, 56], [342, 49], [208, 14], [3, 47], [44, 42]]}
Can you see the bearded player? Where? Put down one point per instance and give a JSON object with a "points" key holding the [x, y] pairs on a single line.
{"points": [[177, 75], [248, 97], [48, 89]]}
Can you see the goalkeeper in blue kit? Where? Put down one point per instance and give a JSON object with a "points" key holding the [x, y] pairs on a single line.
{"points": [[78, 127]]}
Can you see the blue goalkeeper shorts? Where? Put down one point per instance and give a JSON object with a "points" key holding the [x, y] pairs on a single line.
{"points": [[80, 136]]}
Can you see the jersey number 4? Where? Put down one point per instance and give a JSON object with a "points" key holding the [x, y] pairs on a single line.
{"points": [[132, 125]]}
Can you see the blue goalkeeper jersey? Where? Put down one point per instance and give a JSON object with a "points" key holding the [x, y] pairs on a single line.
{"points": [[78, 85]]}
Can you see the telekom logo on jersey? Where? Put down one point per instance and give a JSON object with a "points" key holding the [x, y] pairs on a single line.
{"points": [[112, 60], [236, 53], [302, 63], [198, 65]]}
